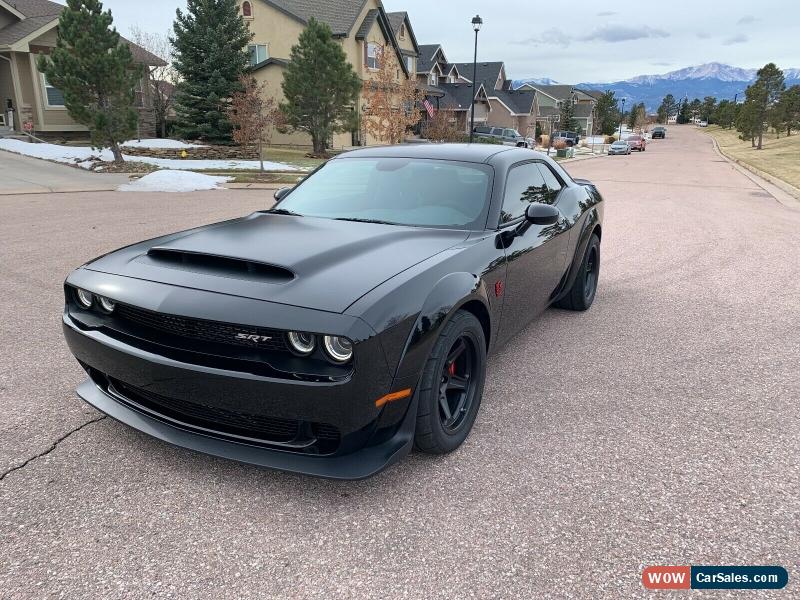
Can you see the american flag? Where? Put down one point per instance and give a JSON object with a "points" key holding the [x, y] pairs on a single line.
{"points": [[428, 107]]}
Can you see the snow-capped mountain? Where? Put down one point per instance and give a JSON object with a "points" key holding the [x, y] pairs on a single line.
{"points": [[535, 80], [711, 79]]}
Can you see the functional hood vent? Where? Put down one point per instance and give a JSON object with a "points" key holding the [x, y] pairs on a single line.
{"points": [[223, 266]]}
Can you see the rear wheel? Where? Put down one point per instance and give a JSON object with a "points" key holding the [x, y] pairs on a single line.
{"points": [[452, 386], [581, 294]]}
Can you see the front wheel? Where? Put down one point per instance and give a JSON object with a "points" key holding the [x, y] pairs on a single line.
{"points": [[451, 387], [581, 294]]}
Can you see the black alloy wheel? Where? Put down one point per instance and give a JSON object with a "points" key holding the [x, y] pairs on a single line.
{"points": [[451, 386], [584, 288]]}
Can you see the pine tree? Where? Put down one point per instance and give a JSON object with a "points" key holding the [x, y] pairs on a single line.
{"points": [[708, 109], [667, 109], [94, 69], [567, 119], [767, 90], [320, 86], [789, 106], [606, 114], [210, 56], [684, 113]]}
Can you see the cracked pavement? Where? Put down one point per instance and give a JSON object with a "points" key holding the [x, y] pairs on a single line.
{"points": [[661, 427]]}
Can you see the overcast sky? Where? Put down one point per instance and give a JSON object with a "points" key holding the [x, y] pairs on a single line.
{"points": [[578, 41]]}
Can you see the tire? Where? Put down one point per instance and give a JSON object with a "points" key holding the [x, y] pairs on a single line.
{"points": [[435, 432], [581, 295]]}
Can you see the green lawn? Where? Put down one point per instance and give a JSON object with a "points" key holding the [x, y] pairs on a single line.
{"points": [[779, 157], [291, 156]]}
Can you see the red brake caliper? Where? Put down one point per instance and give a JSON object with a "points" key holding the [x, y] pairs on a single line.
{"points": [[452, 369]]}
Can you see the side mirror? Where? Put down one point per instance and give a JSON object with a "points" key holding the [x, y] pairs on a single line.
{"points": [[542, 214], [281, 193]]}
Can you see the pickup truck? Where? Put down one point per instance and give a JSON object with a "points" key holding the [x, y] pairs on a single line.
{"points": [[509, 137]]}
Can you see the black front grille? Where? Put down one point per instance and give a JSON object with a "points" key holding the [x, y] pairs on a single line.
{"points": [[293, 434], [262, 338]]}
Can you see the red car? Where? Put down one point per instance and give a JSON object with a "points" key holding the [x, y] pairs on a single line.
{"points": [[637, 142]]}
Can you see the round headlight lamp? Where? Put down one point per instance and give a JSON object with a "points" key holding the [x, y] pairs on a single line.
{"points": [[107, 304], [85, 299], [338, 349], [301, 342]]}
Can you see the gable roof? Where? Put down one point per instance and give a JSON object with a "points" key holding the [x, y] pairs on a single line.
{"points": [[519, 102], [559, 92], [340, 15], [21, 29], [396, 20], [487, 73], [426, 53], [34, 8], [379, 15], [458, 96]]}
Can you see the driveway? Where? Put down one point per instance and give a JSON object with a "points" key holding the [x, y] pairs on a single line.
{"points": [[25, 175], [661, 427]]}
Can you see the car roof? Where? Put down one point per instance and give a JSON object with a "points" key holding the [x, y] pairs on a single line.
{"points": [[480, 153]]}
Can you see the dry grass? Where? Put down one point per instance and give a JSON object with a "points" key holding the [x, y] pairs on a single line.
{"points": [[780, 157]]}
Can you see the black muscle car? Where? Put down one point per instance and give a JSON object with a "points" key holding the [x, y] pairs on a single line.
{"points": [[349, 323]]}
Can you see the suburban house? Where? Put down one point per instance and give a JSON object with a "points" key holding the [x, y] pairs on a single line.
{"points": [[516, 109], [552, 99], [362, 27], [28, 29]]}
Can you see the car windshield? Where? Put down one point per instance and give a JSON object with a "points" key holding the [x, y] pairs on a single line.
{"points": [[399, 191]]}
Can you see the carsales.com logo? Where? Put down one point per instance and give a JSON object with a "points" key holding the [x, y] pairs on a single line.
{"points": [[714, 578]]}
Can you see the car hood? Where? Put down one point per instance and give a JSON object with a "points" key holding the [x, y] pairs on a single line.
{"points": [[315, 263]]}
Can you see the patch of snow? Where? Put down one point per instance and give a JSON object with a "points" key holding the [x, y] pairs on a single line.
{"points": [[174, 181], [87, 158], [160, 143]]}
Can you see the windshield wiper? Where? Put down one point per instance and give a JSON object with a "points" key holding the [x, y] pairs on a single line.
{"points": [[283, 211], [358, 220]]}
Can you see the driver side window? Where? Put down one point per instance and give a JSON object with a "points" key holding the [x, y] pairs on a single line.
{"points": [[525, 184]]}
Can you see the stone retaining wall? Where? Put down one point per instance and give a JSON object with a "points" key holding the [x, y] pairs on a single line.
{"points": [[205, 153]]}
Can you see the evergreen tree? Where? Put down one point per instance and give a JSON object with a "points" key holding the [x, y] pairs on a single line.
{"points": [[708, 108], [684, 113], [95, 71], [766, 92], [789, 107], [695, 106], [725, 114], [210, 56], [747, 119], [320, 86], [567, 119], [668, 108], [606, 114]]}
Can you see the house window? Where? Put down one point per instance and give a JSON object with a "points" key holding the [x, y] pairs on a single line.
{"points": [[403, 31], [451, 78], [54, 96], [433, 79], [247, 10], [139, 93], [410, 63], [373, 52], [258, 54]]}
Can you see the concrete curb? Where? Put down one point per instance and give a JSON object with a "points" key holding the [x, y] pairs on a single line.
{"points": [[777, 182]]}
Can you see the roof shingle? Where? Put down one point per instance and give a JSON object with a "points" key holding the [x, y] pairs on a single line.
{"points": [[36, 8], [340, 15]]}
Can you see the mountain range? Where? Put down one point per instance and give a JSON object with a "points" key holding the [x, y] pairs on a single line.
{"points": [[710, 79]]}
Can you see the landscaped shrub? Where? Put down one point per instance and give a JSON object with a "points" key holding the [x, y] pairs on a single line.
{"points": [[560, 144], [487, 140], [610, 139], [545, 140]]}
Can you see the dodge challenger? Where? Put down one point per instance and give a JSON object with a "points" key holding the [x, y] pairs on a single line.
{"points": [[331, 334]]}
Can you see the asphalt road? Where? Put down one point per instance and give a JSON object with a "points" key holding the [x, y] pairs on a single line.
{"points": [[661, 427], [25, 175]]}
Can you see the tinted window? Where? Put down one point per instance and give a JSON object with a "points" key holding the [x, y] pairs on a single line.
{"points": [[497, 131], [553, 184], [483, 130], [403, 191], [524, 185], [509, 133]]}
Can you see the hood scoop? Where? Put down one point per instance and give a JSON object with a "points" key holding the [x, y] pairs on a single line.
{"points": [[221, 266]]}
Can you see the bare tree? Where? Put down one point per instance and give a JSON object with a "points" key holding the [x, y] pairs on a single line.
{"points": [[163, 79], [392, 101], [442, 127], [253, 114]]}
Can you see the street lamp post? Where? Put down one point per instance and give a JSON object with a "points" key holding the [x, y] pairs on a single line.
{"points": [[476, 25], [622, 120]]}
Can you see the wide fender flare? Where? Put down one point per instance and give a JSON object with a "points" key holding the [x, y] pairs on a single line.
{"points": [[590, 223], [450, 293]]}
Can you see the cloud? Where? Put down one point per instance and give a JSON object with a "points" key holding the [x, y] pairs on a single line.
{"points": [[747, 20], [703, 35], [661, 64], [606, 13], [739, 38], [549, 37], [625, 33]]}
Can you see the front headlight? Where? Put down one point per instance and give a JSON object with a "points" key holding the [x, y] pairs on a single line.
{"points": [[301, 342], [107, 304], [338, 349], [85, 299]]}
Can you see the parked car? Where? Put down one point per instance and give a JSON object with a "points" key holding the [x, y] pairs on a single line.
{"points": [[509, 137], [703, 123], [637, 142], [619, 147], [572, 138], [659, 132], [350, 322]]}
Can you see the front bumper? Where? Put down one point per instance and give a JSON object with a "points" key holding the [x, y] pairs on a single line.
{"points": [[241, 409]]}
